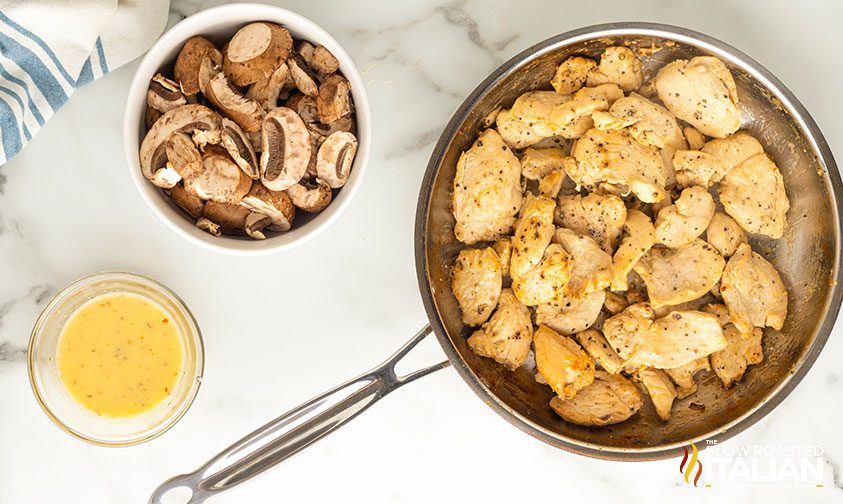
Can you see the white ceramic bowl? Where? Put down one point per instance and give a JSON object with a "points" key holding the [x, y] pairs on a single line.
{"points": [[218, 24]]}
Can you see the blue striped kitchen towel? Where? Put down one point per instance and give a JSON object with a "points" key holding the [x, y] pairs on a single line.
{"points": [[48, 48]]}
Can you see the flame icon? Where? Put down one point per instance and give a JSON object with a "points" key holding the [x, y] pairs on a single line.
{"points": [[687, 471]]}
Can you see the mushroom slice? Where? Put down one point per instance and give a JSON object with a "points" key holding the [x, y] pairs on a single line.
{"points": [[276, 205], [323, 61], [609, 400], [286, 149], [570, 315], [681, 274], [686, 219], [183, 156], [208, 68], [661, 390], [311, 195], [591, 268], [220, 180], [640, 236], [600, 216], [231, 219], [618, 65], [255, 223], [724, 234], [304, 78], [536, 163], [697, 168], [151, 117], [335, 157], [753, 194], [188, 67], [596, 345], [571, 74], [334, 98], [753, 291], [163, 94], [742, 350], [209, 226], [255, 51], [562, 362], [476, 282], [247, 113], [185, 118], [266, 91], [683, 376], [190, 203], [677, 339], [507, 336], [240, 148]]}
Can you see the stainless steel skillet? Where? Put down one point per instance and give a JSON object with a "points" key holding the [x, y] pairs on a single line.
{"points": [[808, 256]]}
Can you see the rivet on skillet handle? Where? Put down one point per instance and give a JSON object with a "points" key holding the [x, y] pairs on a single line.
{"points": [[295, 430]]}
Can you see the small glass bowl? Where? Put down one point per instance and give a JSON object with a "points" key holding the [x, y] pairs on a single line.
{"points": [[74, 418]]}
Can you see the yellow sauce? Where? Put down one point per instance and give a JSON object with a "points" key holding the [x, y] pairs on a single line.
{"points": [[119, 355]]}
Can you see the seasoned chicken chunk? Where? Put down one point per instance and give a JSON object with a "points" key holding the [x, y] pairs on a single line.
{"points": [[683, 376], [615, 303], [614, 157], [503, 248], [627, 329], [544, 283], [533, 232], [570, 315], [476, 282], [674, 276], [741, 351], [591, 268], [571, 74], [563, 364], [649, 123], [610, 399], [516, 133], [551, 184], [685, 220], [702, 93], [660, 388], [640, 236], [753, 194], [679, 338], [720, 311], [603, 354], [600, 216], [618, 65], [536, 163], [724, 234], [506, 337], [694, 137], [733, 150], [573, 118], [753, 291], [697, 168], [610, 93], [487, 190]]}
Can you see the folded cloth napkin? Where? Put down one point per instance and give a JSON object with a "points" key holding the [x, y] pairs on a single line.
{"points": [[48, 48]]}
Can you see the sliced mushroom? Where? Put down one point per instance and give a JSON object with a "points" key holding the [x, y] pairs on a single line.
{"points": [[231, 219], [255, 223], [208, 68], [191, 204], [334, 100], [151, 117], [335, 157], [266, 91], [189, 62], [322, 61], [255, 52], [286, 149], [183, 156], [240, 148], [164, 94], [209, 226], [302, 75], [220, 180], [305, 48], [276, 205], [247, 113], [305, 107], [310, 195]]}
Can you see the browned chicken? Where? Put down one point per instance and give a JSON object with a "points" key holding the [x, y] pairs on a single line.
{"points": [[563, 364], [649, 123], [591, 268], [741, 351], [684, 376], [640, 236], [661, 390], [571, 74], [618, 65], [570, 315], [476, 281], [610, 399], [506, 337], [753, 291], [685, 220], [600, 350], [724, 234], [600, 216], [674, 276], [753, 194]]}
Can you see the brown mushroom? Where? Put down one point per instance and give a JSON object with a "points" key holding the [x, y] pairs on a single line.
{"points": [[209, 226], [247, 113], [151, 116], [191, 204], [266, 91], [323, 61], [311, 195], [230, 218], [189, 62], [302, 75], [164, 94], [286, 149], [255, 52], [333, 163], [210, 66], [220, 180], [305, 48], [305, 107], [255, 224], [240, 148], [334, 99], [183, 156], [276, 205]]}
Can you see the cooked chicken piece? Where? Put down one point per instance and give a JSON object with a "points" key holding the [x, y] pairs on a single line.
{"points": [[696, 304], [677, 339], [649, 123], [627, 329], [487, 190], [551, 184], [753, 194], [685, 220], [724, 234], [618, 65], [683, 376], [610, 399], [536, 109], [615, 158], [571, 74], [733, 150], [753, 291], [697, 168], [516, 133], [596, 345], [533, 232], [546, 282], [591, 268], [573, 118], [615, 303], [503, 248], [640, 236], [600, 216], [661, 390], [536, 163], [507, 336], [694, 138], [476, 282], [569, 315], [720, 311], [610, 93], [742, 350], [702, 93], [634, 296], [563, 364], [674, 276]]}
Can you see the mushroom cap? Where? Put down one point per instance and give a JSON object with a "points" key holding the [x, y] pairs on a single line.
{"points": [[266, 91], [164, 94], [310, 195], [220, 180], [276, 205], [231, 218], [255, 52], [189, 61], [182, 155], [336, 155], [247, 113], [323, 61], [334, 99], [304, 78], [190, 203], [185, 118], [286, 149]]}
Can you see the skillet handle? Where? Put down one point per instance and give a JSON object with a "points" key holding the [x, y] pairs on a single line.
{"points": [[295, 430]]}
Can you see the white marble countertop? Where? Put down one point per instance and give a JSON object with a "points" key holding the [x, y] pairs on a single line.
{"points": [[68, 208]]}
